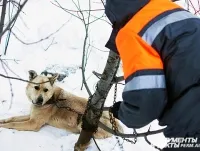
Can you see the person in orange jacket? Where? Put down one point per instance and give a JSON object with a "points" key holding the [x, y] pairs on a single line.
{"points": [[159, 45]]}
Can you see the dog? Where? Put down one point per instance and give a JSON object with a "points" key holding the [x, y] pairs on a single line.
{"points": [[44, 111]]}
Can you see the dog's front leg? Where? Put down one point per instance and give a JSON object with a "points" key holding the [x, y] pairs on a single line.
{"points": [[30, 125], [16, 119]]}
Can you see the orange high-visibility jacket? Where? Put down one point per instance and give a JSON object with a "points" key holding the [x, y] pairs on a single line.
{"points": [[159, 45]]}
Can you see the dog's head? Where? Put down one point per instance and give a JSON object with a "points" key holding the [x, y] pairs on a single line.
{"points": [[41, 88]]}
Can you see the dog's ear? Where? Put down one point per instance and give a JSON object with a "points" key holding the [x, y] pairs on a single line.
{"points": [[53, 78], [32, 74]]}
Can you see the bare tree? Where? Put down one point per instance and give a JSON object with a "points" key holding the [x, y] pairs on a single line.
{"points": [[85, 16]]}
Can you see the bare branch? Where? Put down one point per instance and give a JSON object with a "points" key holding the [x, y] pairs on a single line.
{"points": [[92, 10], [14, 78], [13, 19], [98, 75], [84, 59], [38, 41], [11, 89], [52, 43], [78, 11], [97, 48], [108, 129], [15, 60], [3, 13], [9, 68], [100, 18], [59, 6], [146, 139], [118, 79], [115, 79]]}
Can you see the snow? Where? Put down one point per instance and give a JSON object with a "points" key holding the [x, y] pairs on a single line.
{"points": [[40, 19]]}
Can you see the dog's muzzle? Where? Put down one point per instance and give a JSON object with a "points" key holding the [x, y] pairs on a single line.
{"points": [[37, 103]]}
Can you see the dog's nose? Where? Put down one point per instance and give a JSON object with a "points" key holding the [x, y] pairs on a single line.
{"points": [[39, 100]]}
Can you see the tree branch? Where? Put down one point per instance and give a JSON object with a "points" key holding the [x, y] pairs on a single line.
{"points": [[11, 89], [20, 79], [45, 38], [13, 19], [115, 79], [3, 13]]}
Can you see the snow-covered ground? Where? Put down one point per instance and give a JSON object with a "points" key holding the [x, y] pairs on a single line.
{"points": [[62, 49]]}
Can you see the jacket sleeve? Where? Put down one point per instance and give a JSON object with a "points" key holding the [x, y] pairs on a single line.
{"points": [[144, 95]]}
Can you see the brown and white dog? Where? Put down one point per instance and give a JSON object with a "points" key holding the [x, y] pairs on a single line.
{"points": [[43, 111]]}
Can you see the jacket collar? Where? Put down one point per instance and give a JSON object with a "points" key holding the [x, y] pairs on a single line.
{"points": [[120, 11]]}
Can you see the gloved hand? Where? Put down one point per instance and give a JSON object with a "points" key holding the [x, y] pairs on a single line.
{"points": [[115, 108]]}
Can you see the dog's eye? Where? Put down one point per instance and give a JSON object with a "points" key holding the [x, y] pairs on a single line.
{"points": [[37, 87], [45, 90]]}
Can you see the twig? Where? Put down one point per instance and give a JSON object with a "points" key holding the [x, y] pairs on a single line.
{"points": [[11, 89], [14, 78], [97, 48], [9, 68], [9, 33], [115, 79], [15, 60], [108, 129], [38, 41], [52, 43], [13, 19], [17, 5], [59, 6], [79, 11], [98, 75], [146, 139], [193, 6], [86, 26], [88, 52], [3, 13]]}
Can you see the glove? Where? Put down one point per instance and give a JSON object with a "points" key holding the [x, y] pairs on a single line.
{"points": [[115, 108]]}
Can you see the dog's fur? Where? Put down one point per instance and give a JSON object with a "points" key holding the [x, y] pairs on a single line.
{"points": [[43, 113]]}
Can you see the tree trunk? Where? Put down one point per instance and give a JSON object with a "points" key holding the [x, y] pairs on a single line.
{"points": [[94, 108]]}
